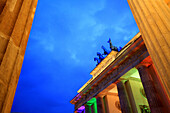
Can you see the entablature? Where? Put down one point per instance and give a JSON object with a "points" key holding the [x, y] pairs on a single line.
{"points": [[130, 56]]}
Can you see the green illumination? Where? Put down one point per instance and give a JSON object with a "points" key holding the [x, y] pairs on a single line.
{"points": [[93, 100], [92, 103], [133, 73], [137, 96], [95, 107]]}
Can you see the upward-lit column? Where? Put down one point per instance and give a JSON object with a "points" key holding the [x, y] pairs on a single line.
{"points": [[95, 107], [154, 100], [16, 18], [153, 20], [123, 97]]}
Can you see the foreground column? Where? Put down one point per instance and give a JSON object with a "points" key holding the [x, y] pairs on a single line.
{"points": [[123, 97], [153, 20], [154, 100], [16, 18]]}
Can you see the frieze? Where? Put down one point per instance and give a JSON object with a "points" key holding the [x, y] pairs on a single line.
{"points": [[123, 67]]}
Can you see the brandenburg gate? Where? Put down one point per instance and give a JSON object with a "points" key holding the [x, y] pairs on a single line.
{"points": [[135, 79]]}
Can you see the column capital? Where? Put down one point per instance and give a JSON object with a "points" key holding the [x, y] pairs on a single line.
{"points": [[87, 104], [141, 66], [145, 63], [121, 80], [99, 96]]}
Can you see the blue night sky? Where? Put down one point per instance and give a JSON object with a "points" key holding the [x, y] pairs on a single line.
{"points": [[65, 37]]}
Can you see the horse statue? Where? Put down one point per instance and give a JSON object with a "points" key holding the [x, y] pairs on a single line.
{"points": [[120, 48], [106, 52], [114, 48], [100, 56], [98, 60]]}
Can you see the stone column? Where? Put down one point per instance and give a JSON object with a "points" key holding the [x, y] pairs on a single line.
{"points": [[87, 108], [16, 18], [123, 97], [153, 20], [100, 104], [159, 89], [154, 100], [95, 107]]}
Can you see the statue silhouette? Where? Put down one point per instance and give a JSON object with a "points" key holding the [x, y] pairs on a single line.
{"points": [[97, 59], [100, 56], [106, 52], [114, 48], [119, 49], [111, 46]]}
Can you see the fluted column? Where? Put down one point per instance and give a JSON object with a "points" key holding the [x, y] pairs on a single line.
{"points": [[123, 97], [153, 20], [153, 98], [16, 17]]}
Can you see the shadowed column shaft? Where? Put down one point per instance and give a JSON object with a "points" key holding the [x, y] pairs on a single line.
{"points": [[87, 108], [158, 86], [154, 100], [100, 106], [153, 20], [123, 97]]}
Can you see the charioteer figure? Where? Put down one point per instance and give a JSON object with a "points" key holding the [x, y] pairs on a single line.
{"points": [[114, 48]]}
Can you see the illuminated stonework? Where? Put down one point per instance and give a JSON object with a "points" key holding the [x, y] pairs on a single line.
{"points": [[16, 18], [143, 63], [129, 78]]}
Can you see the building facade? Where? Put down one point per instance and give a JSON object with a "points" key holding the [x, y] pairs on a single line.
{"points": [[136, 79], [16, 18]]}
